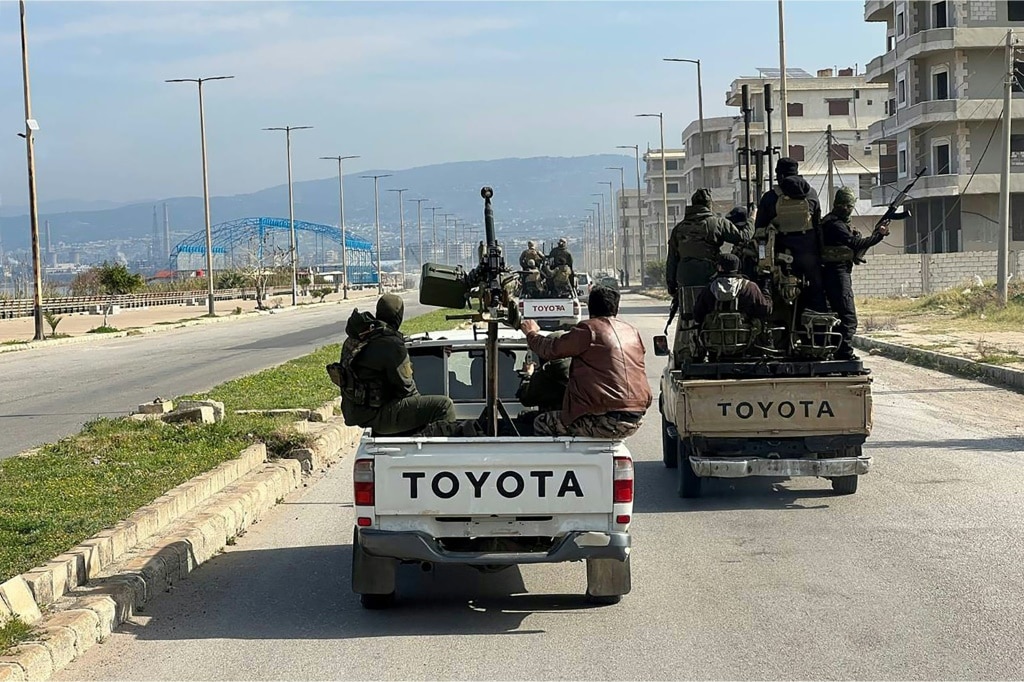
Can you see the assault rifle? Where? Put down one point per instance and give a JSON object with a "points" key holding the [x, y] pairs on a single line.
{"points": [[893, 212]]}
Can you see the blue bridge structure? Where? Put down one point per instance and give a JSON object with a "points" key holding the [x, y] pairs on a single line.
{"points": [[244, 242]]}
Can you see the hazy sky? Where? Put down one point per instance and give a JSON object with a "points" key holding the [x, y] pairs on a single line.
{"points": [[402, 84]]}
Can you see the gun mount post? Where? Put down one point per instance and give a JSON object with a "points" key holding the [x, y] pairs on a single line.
{"points": [[745, 152], [769, 149]]}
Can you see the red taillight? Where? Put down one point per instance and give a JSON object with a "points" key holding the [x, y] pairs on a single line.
{"points": [[622, 519], [622, 480], [575, 308], [362, 476], [364, 521]]}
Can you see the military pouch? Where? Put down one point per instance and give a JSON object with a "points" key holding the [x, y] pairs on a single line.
{"points": [[837, 254], [792, 216], [334, 371]]}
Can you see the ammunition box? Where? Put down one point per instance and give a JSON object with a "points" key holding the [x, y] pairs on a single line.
{"points": [[444, 286]]}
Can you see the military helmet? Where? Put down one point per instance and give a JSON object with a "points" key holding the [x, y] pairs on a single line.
{"points": [[531, 245], [562, 242], [531, 263]]}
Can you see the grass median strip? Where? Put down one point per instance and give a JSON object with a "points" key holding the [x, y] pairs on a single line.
{"points": [[65, 492]]}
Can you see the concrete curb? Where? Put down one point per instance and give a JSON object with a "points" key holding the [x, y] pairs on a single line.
{"points": [[951, 364], [112, 596], [152, 329]]}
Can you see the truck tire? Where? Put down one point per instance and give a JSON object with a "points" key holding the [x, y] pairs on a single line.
{"points": [[607, 580], [687, 482], [669, 456], [373, 578], [844, 485]]}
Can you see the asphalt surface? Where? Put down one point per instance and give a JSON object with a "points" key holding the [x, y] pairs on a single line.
{"points": [[917, 576], [48, 393]]}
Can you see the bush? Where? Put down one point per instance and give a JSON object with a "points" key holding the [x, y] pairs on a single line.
{"points": [[115, 279], [655, 272]]}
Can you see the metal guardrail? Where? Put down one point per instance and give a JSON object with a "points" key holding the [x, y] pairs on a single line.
{"points": [[22, 307]]}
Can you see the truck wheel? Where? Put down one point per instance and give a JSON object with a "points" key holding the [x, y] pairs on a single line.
{"points": [[688, 483], [607, 580], [373, 578], [668, 446], [844, 485]]}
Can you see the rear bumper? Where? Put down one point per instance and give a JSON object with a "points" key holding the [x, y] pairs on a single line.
{"points": [[742, 467], [416, 546]]}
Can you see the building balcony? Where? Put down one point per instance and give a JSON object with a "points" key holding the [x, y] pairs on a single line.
{"points": [[878, 10], [724, 158], [940, 111], [930, 41], [882, 68], [930, 186]]}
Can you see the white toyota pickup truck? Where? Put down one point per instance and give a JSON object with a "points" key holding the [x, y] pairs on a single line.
{"points": [[488, 502], [552, 313]]}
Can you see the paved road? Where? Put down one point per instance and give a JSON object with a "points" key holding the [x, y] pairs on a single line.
{"points": [[919, 575], [49, 393]]}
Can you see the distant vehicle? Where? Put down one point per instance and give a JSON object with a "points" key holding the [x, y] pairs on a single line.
{"points": [[552, 313], [609, 282], [584, 283]]}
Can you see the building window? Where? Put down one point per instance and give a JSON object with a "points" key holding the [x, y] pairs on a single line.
{"points": [[672, 187], [671, 164], [796, 152], [1017, 217], [940, 85], [840, 152], [839, 107], [794, 109], [940, 13], [901, 164], [941, 152], [901, 91], [1015, 10], [900, 27], [1017, 151], [1018, 76]]}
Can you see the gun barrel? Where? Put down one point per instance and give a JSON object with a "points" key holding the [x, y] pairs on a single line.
{"points": [[487, 193]]}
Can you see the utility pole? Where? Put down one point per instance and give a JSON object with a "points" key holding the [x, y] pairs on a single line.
{"points": [[639, 213], [433, 227], [401, 222], [611, 220], [291, 209], [33, 206], [447, 260], [622, 222], [419, 228], [344, 235], [828, 157], [206, 187], [600, 229], [1002, 268], [784, 101], [376, 222]]}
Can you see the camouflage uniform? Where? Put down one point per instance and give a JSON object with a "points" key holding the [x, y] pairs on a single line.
{"points": [[531, 253], [610, 425]]}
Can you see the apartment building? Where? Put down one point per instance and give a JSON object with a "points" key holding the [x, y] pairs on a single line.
{"points": [[944, 68], [632, 215], [719, 159], [675, 159], [841, 99]]}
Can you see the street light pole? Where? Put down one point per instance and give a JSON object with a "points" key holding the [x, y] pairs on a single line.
{"points": [[291, 208], [206, 185], [433, 234], [376, 222], [622, 221], [419, 228], [700, 118], [639, 212], [447, 258], [344, 235], [664, 181], [401, 223], [600, 228], [611, 218], [30, 127]]}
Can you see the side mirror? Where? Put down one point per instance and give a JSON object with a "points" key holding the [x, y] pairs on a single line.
{"points": [[661, 348]]}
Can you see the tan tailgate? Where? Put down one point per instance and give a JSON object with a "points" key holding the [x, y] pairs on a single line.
{"points": [[813, 406]]}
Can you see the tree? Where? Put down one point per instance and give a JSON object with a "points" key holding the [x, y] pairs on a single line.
{"points": [[655, 271], [87, 283], [231, 279], [115, 279]]}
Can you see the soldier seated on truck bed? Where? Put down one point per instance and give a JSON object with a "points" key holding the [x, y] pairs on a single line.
{"points": [[544, 387], [725, 309], [608, 392]]}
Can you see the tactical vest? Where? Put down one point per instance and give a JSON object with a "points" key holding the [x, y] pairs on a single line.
{"points": [[726, 331], [365, 393], [696, 243], [560, 276], [837, 254], [792, 216]]}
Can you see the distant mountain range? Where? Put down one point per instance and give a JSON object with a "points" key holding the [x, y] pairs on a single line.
{"points": [[540, 196]]}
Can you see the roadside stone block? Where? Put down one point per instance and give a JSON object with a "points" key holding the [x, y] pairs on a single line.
{"points": [[157, 406], [33, 659], [202, 415], [104, 547], [40, 583], [89, 562], [17, 597], [145, 418], [147, 522], [105, 609], [61, 643], [11, 672], [84, 623], [216, 405]]}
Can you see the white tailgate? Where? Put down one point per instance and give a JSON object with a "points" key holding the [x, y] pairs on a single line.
{"points": [[547, 307], [552, 481]]}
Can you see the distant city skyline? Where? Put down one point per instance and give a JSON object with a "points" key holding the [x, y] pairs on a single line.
{"points": [[400, 84]]}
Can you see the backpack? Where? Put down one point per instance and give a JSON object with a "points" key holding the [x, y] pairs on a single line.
{"points": [[342, 374], [792, 216], [726, 331]]}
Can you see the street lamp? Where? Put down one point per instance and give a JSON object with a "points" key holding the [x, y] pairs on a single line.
{"points": [[30, 127], [433, 228], [376, 222], [206, 184], [344, 235], [291, 208], [664, 179], [419, 227], [622, 222], [700, 118], [401, 222], [600, 228], [447, 255], [611, 217], [639, 210]]}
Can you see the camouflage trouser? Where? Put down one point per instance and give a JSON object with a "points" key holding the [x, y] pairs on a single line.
{"points": [[587, 426]]}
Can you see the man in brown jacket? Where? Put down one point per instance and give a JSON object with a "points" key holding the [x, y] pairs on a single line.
{"points": [[608, 392]]}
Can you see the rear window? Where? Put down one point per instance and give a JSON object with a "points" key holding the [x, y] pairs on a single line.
{"points": [[460, 374]]}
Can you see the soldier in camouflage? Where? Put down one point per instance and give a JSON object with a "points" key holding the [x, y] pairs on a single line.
{"points": [[531, 253]]}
